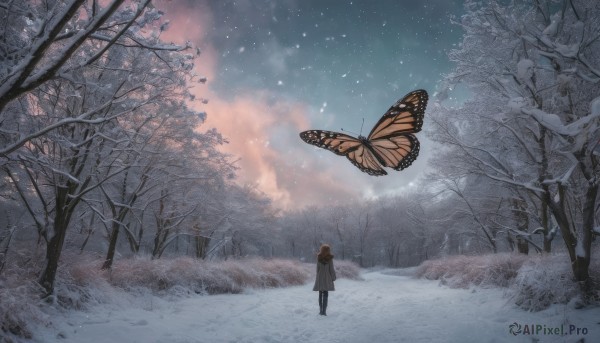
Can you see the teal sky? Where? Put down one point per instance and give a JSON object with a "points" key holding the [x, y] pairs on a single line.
{"points": [[351, 54]]}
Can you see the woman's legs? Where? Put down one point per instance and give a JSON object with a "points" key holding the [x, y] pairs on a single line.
{"points": [[323, 296], [320, 302]]}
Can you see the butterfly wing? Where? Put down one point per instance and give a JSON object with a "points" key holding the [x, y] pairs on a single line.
{"points": [[344, 145], [397, 152], [335, 142], [364, 159], [405, 116], [392, 139]]}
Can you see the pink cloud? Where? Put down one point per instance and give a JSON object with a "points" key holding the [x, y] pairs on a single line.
{"points": [[261, 128], [264, 133], [246, 121], [191, 21]]}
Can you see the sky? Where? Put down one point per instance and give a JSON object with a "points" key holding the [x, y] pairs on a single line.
{"points": [[276, 68]]}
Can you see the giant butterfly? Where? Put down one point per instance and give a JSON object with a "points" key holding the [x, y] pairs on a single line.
{"points": [[391, 142]]}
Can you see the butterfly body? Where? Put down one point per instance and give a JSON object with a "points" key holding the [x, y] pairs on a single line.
{"points": [[391, 143]]}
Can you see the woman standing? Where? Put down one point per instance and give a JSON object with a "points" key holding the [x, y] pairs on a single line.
{"points": [[325, 277]]}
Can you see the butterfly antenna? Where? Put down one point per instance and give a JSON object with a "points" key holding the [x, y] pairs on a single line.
{"points": [[354, 133]]}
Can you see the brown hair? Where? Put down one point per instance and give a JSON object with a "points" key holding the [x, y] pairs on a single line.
{"points": [[324, 254]]}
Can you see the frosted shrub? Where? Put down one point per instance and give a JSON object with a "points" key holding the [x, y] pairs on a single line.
{"points": [[20, 302], [80, 284], [136, 272], [547, 280], [198, 276], [18, 307], [231, 276], [277, 273], [347, 270], [163, 274], [242, 276], [542, 282], [494, 270], [535, 282]]}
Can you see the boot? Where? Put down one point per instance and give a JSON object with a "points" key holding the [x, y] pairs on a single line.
{"points": [[321, 303], [325, 296]]}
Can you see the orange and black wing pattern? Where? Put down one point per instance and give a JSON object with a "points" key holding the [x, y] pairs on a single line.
{"points": [[391, 143], [341, 144], [392, 137]]}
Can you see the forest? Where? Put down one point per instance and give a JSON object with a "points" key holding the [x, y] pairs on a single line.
{"points": [[103, 150]]}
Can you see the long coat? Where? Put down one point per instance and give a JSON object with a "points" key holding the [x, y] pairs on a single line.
{"points": [[325, 276]]}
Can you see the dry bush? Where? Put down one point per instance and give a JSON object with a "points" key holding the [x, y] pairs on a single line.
{"points": [[347, 270], [80, 281], [243, 276], [278, 273], [136, 272], [20, 301], [78, 285], [546, 280], [231, 276], [198, 276], [494, 270], [20, 306], [534, 282]]}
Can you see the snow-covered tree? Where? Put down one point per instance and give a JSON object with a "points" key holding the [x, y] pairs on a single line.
{"points": [[250, 222], [97, 114], [531, 123], [400, 234], [50, 40]]}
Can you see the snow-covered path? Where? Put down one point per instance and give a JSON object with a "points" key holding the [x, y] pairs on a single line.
{"points": [[382, 308]]}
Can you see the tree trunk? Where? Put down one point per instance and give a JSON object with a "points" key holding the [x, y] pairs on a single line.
{"points": [[582, 263], [55, 243], [546, 227], [579, 252], [161, 228], [112, 246], [134, 243], [202, 246], [159, 241], [522, 246], [522, 221]]}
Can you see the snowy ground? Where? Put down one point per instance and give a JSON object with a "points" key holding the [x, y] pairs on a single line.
{"points": [[382, 308]]}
